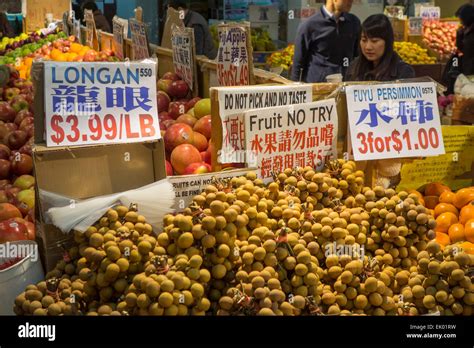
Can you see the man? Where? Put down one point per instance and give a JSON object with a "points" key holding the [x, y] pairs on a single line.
{"points": [[326, 42], [100, 20], [202, 35]]}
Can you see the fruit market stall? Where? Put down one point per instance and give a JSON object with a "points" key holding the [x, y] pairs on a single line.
{"points": [[311, 218]]}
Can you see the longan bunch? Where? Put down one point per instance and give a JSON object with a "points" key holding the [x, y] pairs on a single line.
{"points": [[348, 179], [53, 297], [441, 283], [168, 288]]}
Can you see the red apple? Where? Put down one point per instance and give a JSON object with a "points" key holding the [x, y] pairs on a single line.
{"points": [[22, 164], [170, 76], [4, 183], [30, 130], [22, 114], [176, 109], [200, 141], [8, 211], [3, 197], [197, 168], [5, 152], [11, 230], [190, 104], [90, 56], [177, 134], [6, 128], [178, 89], [5, 169], [26, 122], [162, 117], [187, 119], [7, 113], [163, 101], [203, 126], [182, 156], [169, 168], [11, 192], [168, 123], [206, 157], [164, 85], [16, 139]]}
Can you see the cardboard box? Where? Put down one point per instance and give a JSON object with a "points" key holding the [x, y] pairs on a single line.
{"points": [[86, 172]]}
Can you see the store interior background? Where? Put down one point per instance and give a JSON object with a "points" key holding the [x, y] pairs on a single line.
{"points": [[283, 27]]}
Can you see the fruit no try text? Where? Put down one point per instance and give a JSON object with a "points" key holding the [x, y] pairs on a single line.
{"points": [[295, 117]]}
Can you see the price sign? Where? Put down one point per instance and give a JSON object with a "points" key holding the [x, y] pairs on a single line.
{"points": [[139, 40], [120, 29], [291, 136], [100, 103], [394, 121], [91, 33], [182, 43], [234, 56], [430, 12], [415, 26]]}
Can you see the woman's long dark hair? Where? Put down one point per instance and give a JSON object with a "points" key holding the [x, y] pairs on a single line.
{"points": [[377, 26]]}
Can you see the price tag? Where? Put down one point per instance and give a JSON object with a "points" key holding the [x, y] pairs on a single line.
{"points": [[430, 12], [184, 62], [92, 39], [100, 103], [120, 30], [233, 56], [139, 40], [415, 26], [394, 121]]}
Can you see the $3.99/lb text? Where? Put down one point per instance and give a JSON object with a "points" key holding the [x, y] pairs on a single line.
{"points": [[76, 130], [396, 142]]}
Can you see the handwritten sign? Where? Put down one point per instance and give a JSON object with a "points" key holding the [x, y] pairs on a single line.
{"points": [[430, 12], [291, 136], [415, 26], [92, 39], [120, 30], [233, 56], [182, 43], [233, 102], [100, 103], [139, 40], [394, 121]]}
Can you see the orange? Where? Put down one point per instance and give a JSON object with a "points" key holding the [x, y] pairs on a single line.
{"points": [[447, 197], [469, 230], [456, 233], [71, 56], [444, 221], [463, 197], [467, 213], [442, 239], [445, 207], [61, 57]]}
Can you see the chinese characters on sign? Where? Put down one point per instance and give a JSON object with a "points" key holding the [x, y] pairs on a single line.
{"points": [[139, 40], [394, 121], [91, 32], [98, 103], [291, 136], [233, 56], [120, 29], [234, 101], [182, 42]]}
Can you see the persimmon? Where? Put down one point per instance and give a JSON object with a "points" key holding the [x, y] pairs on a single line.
{"points": [[447, 197], [463, 197], [444, 222], [431, 201], [442, 239], [436, 189], [445, 207], [467, 213], [468, 247], [469, 231], [456, 233]]}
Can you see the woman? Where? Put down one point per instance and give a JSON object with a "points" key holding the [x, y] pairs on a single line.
{"points": [[465, 38], [378, 61]]}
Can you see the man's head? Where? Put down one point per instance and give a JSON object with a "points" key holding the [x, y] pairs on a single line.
{"points": [[339, 6], [176, 4], [90, 5]]}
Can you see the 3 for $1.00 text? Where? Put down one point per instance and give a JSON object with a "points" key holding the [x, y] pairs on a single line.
{"points": [[396, 142], [67, 129]]}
